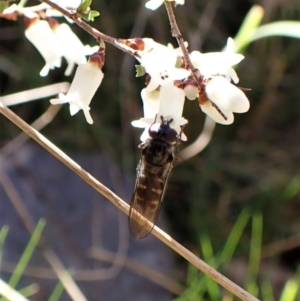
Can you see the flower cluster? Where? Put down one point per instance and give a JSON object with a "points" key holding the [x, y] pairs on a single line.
{"points": [[169, 76], [169, 83], [54, 41], [161, 97]]}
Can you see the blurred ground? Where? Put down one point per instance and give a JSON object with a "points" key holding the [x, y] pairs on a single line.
{"points": [[78, 220]]}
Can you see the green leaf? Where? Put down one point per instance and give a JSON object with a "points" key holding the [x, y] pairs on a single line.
{"points": [[251, 21], [90, 15], [255, 252], [290, 290], [208, 254], [93, 14], [234, 237], [20, 267], [179, 62], [84, 6], [267, 290], [289, 29], [3, 6], [140, 70], [3, 234], [57, 292], [292, 189]]}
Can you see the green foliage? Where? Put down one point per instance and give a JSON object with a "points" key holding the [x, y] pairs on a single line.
{"points": [[85, 11], [84, 6], [255, 252], [250, 23], [3, 234], [290, 290], [199, 284], [140, 70], [57, 292], [3, 6], [28, 252]]}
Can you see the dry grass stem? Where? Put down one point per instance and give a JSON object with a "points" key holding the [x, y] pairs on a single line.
{"points": [[33, 94], [119, 203], [38, 124]]}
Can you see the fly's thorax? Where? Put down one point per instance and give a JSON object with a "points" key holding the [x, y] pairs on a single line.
{"points": [[158, 152]]}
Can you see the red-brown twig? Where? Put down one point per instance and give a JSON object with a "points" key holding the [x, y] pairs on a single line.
{"points": [[98, 35]]}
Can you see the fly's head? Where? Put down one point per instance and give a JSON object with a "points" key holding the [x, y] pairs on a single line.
{"points": [[163, 131]]}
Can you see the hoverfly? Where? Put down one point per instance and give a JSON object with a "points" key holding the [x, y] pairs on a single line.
{"points": [[153, 171]]}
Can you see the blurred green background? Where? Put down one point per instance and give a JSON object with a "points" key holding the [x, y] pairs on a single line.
{"points": [[251, 165]]}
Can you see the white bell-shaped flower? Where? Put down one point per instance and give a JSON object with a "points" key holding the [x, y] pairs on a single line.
{"points": [[227, 97], [217, 63], [154, 4], [88, 78], [42, 37], [73, 50], [167, 102]]}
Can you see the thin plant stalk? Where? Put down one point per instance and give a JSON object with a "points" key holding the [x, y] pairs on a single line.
{"points": [[124, 207]]}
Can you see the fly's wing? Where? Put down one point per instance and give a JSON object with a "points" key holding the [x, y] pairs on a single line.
{"points": [[146, 200]]}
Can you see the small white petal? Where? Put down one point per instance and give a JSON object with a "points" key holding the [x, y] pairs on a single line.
{"points": [[216, 63], [87, 116], [74, 108], [151, 102], [213, 113], [230, 46], [226, 95], [139, 123], [145, 134], [191, 92], [45, 70], [61, 99], [88, 50], [171, 100], [152, 85], [154, 4], [231, 75]]}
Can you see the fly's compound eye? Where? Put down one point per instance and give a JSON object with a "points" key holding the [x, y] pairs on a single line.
{"points": [[170, 135]]}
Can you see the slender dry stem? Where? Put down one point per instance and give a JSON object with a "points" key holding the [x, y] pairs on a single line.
{"points": [[176, 33], [124, 207]]}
